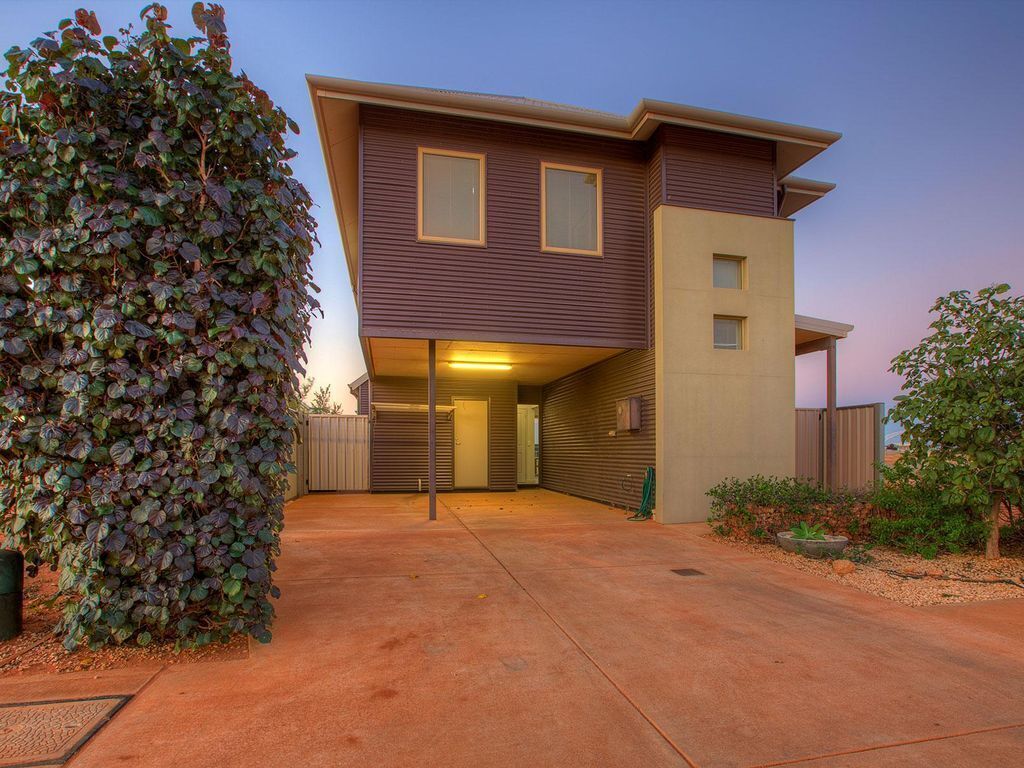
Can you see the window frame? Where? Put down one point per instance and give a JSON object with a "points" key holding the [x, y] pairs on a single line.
{"points": [[421, 236], [741, 335], [741, 261], [599, 173]]}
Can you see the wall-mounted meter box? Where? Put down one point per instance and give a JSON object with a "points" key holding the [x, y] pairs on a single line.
{"points": [[627, 414]]}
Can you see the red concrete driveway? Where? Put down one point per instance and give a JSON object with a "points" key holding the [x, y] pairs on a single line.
{"points": [[534, 629]]}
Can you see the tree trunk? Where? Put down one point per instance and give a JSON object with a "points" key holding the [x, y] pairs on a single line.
{"points": [[992, 545]]}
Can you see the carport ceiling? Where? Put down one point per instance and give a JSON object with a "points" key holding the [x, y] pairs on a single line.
{"points": [[528, 363]]}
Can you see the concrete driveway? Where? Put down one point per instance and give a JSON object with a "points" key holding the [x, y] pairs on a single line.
{"points": [[535, 629]]}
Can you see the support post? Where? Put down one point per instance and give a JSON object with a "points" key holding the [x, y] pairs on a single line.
{"points": [[830, 415], [432, 427]]}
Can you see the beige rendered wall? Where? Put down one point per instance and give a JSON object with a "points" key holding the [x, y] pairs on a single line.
{"points": [[720, 413]]}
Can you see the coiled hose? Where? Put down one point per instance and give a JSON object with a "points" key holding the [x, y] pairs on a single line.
{"points": [[646, 509]]}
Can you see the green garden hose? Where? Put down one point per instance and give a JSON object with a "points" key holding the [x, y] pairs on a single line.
{"points": [[646, 498]]}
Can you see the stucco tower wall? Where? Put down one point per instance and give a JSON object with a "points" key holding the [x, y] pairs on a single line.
{"points": [[720, 413]]}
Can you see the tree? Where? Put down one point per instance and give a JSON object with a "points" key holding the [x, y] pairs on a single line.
{"points": [[322, 403], [154, 303], [962, 405]]}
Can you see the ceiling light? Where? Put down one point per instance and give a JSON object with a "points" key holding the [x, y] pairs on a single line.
{"points": [[480, 366]]}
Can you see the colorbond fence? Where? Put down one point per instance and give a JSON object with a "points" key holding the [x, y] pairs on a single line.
{"points": [[859, 445], [331, 454]]}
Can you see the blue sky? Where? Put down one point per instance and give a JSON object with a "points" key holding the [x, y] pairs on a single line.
{"points": [[929, 97]]}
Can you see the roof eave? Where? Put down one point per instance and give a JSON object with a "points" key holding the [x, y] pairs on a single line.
{"points": [[797, 143]]}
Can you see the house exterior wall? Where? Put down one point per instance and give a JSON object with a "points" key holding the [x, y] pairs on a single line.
{"points": [[363, 399], [580, 451], [717, 172], [398, 442], [507, 290], [720, 413]]}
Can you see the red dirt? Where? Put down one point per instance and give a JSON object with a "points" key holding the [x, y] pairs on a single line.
{"points": [[38, 650]]}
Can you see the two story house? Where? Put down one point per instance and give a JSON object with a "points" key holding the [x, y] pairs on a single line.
{"points": [[558, 296]]}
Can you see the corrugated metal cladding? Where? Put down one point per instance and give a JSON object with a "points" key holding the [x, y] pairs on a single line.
{"points": [[508, 289], [717, 171], [578, 453], [363, 399], [398, 452], [859, 445], [398, 442], [337, 452]]}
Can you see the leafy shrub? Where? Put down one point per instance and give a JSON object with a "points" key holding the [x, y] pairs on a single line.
{"points": [[154, 303], [920, 519], [761, 506]]}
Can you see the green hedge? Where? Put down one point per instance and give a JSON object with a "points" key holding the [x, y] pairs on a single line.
{"points": [[154, 303], [904, 513], [761, 506]]}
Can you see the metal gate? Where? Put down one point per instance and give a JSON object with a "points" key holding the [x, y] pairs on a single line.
{"points": [[337, 452], [859, 445]]}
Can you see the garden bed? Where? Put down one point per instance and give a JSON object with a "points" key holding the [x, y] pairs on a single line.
{"points": [[908, 579], [38, 651]]}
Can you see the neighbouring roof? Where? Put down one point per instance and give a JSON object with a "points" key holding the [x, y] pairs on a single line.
{"points": [[811, 333], [354, 385]]}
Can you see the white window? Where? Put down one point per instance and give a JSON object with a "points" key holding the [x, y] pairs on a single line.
{"points": [[570, 209], [728, 272], [728, 332], [451, 197]]}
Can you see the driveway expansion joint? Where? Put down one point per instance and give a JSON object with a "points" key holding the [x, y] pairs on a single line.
{"points": [[891, 745], [639, 710]]}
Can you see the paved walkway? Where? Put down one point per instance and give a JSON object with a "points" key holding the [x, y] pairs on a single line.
{"points": [[534, 629]]}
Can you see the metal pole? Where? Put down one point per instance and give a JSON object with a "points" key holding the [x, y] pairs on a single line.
{"points": [[830, 415], [432, 427]]}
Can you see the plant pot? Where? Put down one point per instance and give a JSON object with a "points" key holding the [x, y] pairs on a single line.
{"points": [[830, 545]]}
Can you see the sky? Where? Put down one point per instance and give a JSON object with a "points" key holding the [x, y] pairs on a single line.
{"points": [[929, 97]]}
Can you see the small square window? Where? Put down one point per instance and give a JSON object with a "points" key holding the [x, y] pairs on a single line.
{"points": [[728, 272], [728, 333]]}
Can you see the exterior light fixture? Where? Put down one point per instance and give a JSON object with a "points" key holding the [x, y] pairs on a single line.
{"points": [[480, 366]]}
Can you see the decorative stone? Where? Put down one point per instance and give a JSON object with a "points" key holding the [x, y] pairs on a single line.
{"points": [[830, 545], [843, 567]]}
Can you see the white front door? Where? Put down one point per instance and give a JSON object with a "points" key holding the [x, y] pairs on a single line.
{"points": [[470, 443], [527, 445]]}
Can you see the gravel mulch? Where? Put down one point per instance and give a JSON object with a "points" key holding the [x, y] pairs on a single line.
{"points": [[909, 579], [38, 651]]}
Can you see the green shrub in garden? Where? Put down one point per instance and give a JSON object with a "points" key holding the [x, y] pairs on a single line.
{"points": [[154, 303], [761, 506], [920, 519]]}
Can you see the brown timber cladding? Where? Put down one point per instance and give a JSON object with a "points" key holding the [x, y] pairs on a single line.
{"points": [[507, 290], [578, 453], [363, 399], [716, 171], [398, 442]]}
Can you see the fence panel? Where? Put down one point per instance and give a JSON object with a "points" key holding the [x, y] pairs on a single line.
{"points": [[810, 449], [337, 452], [859, 448]]}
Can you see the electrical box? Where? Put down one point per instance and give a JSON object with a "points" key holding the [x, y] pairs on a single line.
{"points": [[627, 414]]}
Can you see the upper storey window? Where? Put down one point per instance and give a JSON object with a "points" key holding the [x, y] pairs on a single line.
{"points": [[451, 197], [570, 209]]}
